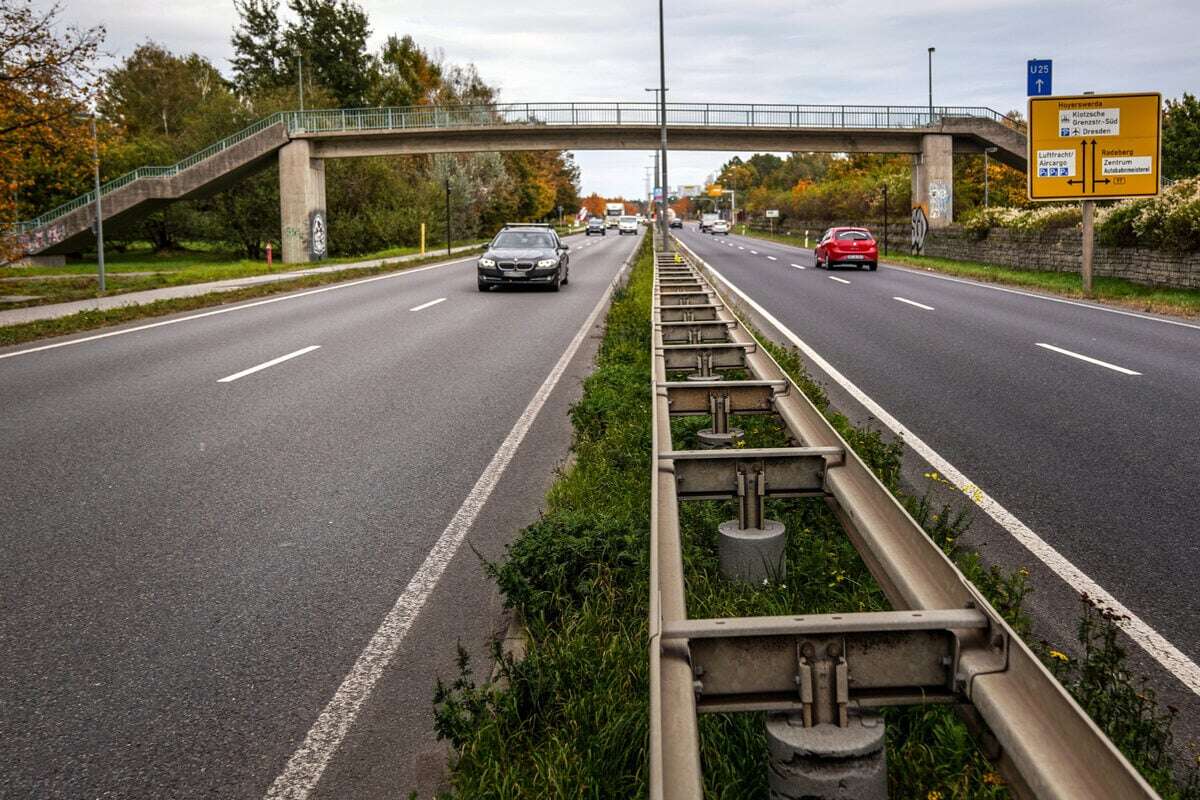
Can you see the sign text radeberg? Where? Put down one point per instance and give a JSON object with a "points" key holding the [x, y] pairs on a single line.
{"points": [[1101, 146]]}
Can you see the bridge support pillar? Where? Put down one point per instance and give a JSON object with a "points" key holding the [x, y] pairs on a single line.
{"points": [[933, 179], [302, 203]]}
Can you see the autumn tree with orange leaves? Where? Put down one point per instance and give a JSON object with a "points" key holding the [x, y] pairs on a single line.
{"points": [[46, 80]]}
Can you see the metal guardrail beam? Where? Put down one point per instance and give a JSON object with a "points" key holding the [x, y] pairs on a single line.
{"points": [[1044, 744]]}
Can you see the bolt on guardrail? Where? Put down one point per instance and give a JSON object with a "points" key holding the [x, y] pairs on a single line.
{"points": [[823, 677]]}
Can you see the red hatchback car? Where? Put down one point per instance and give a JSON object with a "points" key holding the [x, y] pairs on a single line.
{"points": [[851, 246]]}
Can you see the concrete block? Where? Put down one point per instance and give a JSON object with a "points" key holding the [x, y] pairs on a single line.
{"points": [[302, 204], [751, 554], [826, 762]]}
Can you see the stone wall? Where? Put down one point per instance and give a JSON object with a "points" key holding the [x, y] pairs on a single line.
{"points": [[1052, 250]]}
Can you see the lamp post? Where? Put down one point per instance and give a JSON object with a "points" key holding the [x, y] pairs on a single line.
{"points": [[662, 104], [96, 189], [986, 151], [931, 85], [300, 77], [885, 219]]}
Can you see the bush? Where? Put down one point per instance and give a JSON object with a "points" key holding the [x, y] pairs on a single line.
{"points": [[1170, 221]]}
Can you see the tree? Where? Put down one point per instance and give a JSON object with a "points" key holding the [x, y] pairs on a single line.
{"points": [[46, 79], [406, 75], [256, 46], [1181, 138], [331, 35]]}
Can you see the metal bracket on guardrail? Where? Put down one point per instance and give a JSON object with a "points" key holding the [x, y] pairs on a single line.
{"points": [[695, 331], [688, 313], [706, 356], [685, 298]]}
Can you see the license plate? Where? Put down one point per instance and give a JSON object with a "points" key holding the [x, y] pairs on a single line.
{"points": [[856, 257]]}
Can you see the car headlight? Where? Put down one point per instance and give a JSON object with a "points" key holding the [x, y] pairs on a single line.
{"points": [[547, 262], [487, 262]]}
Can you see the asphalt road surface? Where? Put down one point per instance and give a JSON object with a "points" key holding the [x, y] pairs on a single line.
{"points": [[1080, 422], [205, 523]]}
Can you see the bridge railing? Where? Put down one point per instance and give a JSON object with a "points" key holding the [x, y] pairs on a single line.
{"points": [[775, 115], [753, 115]]}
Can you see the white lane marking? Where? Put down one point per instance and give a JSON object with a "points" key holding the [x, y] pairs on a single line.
{"points": [[1150, 640], [305, 767], [753, 252], [772, 258], [740, 247], [913, 303], [798, 266], [1035, 296], [424, 306], [1088, 359], [839, 280], [242, 307], [271, 363]]}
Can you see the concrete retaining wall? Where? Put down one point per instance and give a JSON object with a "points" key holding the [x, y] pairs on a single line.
{"points": [[1052, 250]]}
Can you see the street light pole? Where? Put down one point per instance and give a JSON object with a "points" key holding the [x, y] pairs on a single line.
{"points": [[662, 104], [447, 212], [986, 152], [931, 85], [99, 212], [300, 77]]}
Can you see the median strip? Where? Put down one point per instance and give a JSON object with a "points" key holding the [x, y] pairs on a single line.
{"points": [[1088, 359], [235, 376]]}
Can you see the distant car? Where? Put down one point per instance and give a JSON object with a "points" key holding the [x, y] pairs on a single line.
{"points": [[595, 225], [707, 220], [854, 246], [675, 222], [720, 226], [627, 224], [531, 255]]}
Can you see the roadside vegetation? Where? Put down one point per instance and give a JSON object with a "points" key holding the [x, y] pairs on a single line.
{"points": [[570, 718], [141, 267], [90, 320]]}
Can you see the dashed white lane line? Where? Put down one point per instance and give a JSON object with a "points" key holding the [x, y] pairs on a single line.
{"points": [[424, 306], [913, 303], [798, 266], [740, 247], [752, 252], [306, 766], [1149, 639], [772, 258], [266, 364], [1088, 359], [839, 280]]}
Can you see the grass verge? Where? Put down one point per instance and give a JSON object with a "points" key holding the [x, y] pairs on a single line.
{"points": [[90, 320], [139, 269], [1111, 291], [572, 720]]}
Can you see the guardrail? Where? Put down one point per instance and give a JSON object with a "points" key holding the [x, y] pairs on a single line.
{"points": [[943, 643], [318, 121]]}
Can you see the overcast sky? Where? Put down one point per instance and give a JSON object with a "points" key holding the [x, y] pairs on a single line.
{"points": [[795, 51]]}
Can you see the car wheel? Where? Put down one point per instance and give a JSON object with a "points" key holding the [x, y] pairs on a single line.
{"points": [[557, 284], [483, 287], [566, 276], [872, 266]]}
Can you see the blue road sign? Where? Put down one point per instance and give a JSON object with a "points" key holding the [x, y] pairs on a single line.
{"points": [[1039, 77]]}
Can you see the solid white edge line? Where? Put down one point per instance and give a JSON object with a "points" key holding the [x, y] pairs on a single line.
{"points": [[242, 307], [798, 266], [913, 303], [839, 280], [307, 764], [1158, 646], [271, 363], [1088, 359], [431, 303]]}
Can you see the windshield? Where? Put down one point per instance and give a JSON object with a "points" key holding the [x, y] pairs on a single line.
{"points": [[613, 213], [850, 236], [629, 219], [523, 240]]}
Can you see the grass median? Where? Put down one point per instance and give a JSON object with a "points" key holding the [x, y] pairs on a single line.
{"points": [[101, 318], [1111, 291], [570, 718]]}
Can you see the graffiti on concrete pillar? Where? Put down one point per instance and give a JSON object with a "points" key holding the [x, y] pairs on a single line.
{"points": [[920, 226], [318, 241], [940, 194]]}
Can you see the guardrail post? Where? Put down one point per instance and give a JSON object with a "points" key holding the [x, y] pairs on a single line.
{"points": [[390, 125], [843, 116], [826, 761]]}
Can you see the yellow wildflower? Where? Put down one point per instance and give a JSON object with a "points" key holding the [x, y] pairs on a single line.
{"points": [[1063, 657]]}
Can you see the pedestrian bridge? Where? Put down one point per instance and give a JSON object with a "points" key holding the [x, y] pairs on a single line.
{"points": [[302, 140]]}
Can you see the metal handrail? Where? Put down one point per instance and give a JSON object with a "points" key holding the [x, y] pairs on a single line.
{"points": [[1048, 747]]}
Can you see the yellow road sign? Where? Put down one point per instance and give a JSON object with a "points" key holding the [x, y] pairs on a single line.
{"points": [[1094, 146], [715, 189]]}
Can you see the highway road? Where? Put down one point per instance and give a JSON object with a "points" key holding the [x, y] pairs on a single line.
{"points": [[1080, 422], [238, 548]]}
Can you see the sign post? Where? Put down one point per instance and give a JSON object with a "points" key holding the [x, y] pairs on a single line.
{"points": [[1094, 147]]}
